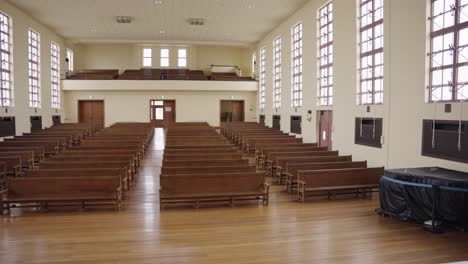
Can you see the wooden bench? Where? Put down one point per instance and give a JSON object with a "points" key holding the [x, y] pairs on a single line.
{"points": [[27, 158], [260, 155], [282, 161], [201, 150], [292, 168], [270, 166], [39, 154], [12, 165], [338, 181], [174, 171], [51, 148], [54, 164], [3, 176], [203, 162], [217, 187], [44, 192], [129, 159], [208, 157], [84, 172]]}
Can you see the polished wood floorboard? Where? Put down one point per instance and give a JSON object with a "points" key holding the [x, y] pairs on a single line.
{"points": [[321, 231]]}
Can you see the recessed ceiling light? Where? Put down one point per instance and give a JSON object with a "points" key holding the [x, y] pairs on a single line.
{"points": [[196, 21], [157, 2], [162, 32], [124, 19], [249, 6], [93, 29]]}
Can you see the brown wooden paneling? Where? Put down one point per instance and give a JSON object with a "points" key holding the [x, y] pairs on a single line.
{"points": [[91, 111]]}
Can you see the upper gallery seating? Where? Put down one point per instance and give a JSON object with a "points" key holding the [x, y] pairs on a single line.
{"points": [[155, 74]]}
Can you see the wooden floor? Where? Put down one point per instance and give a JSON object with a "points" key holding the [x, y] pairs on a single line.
{"points": [[344, 231]]}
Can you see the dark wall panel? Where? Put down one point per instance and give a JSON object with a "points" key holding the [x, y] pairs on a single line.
{"points": [[368, 132]]}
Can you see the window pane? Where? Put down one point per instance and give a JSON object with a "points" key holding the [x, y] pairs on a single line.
{"points": [[159, 113]]}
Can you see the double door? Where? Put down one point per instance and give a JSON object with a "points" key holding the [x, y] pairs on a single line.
{"points": [[162, 112]]}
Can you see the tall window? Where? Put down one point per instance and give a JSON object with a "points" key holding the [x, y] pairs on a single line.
{"points": [[277, 72], [325, 52], [70, 60], [34, 58], [296, 65], [147, 57], [6, 82], [449, 51], [371, 49], [182, 58], [262, 77], [55, 75], [164, 57]]}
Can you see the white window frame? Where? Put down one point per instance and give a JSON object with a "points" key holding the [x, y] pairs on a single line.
{"points": [[34, 58], [162, 58], [182, 60], [325, 55], [55, 75], [262, 91], [296, 65], [277, 72], [147, 57], [6, 65], [70, 58]]}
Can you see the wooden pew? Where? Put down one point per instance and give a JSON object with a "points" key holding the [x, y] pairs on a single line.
{"points": [[53, 164], [207, 157], [3, 177], [282, 161], [251, 146], [60, 143], [39, 154], [127, 158], [216, 187], [338, 181], [201, 151], [262, 150], [84, 172], [292, 169], [174, 171], [203, 162], [270, 166], [51, 148], [45, 192], [12, 165], [27, 158]]}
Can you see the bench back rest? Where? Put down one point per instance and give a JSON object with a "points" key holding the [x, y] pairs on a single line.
{"points": [[213, 183], [24, 187], [282, 161], [204, 162], [202, 156], [340, 177], [174, 171], [50, 164], [292, 168], [273, 155], [76, 172]]}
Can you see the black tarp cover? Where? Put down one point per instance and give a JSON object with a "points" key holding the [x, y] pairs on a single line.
{"points": [[414, 203]]}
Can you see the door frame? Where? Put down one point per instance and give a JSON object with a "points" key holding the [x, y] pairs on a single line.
{"points": [[319, 135], [226, 100], [92, 100], [163, 100]]}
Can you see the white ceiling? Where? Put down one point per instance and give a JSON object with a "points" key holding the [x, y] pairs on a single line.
{"points": [[231, 22]]}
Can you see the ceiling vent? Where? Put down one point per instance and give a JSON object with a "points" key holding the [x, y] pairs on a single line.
{"points": [[124, 19], [196, 21]]}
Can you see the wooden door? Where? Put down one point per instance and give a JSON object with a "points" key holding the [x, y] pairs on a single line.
{"points": [[92, 112], [237, 109], [162, 113], [325, 129]]}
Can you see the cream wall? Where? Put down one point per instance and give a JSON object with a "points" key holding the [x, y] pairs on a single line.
{"points": [[191, 106], [129, 56], [21, 22], [404, 105]]}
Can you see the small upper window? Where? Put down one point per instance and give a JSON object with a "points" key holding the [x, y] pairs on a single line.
{"points": [[70, 60], [164, 57], [182, 60], [449, 51], [147, 57]]}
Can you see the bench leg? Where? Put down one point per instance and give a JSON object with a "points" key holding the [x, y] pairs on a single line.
{"points": [[197, 205], [231, 202]]}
